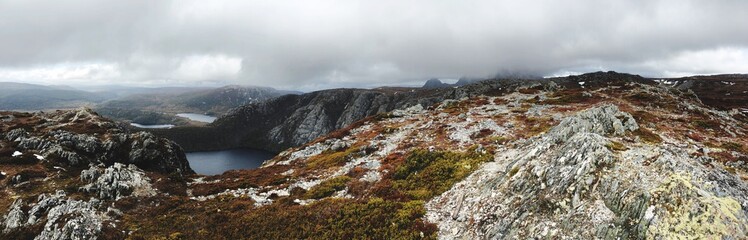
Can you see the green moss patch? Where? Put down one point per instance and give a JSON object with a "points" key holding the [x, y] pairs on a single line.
{"points": [[327, 188], [732, 146], [687, 212], [647, 136], [326, 219], [616, 146], [426, 174]]}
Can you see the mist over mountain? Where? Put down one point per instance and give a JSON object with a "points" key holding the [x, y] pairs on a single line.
{"points": [[389, 119]]}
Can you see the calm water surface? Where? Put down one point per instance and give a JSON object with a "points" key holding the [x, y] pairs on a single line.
{"points": [[198, 117], [217, 162], [152, 126]]}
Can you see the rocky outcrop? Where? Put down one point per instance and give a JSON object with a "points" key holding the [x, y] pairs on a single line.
{"points": [[573, 181], [45, 197], [62, 217], [116, 181], [15, 217], [79, 138]]}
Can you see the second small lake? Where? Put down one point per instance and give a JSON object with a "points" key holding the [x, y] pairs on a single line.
{"points": [[152, 126], [198, 117]]}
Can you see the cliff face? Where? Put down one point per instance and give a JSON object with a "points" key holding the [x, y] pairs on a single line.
{"points": [[293, 120]]}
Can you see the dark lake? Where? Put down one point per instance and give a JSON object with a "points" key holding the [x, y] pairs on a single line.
{"points": [[217, 162]]}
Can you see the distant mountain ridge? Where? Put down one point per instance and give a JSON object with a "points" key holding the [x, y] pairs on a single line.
{"points": [[222, 99], [135, 104], [153, 108], [24, 96]]}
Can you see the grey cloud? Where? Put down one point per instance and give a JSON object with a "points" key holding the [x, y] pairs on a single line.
{"points": [[313, 44]]}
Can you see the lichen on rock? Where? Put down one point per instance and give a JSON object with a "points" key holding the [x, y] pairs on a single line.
{"points": [[683, 209], [554, 184], [63, 217], [117, 181]]}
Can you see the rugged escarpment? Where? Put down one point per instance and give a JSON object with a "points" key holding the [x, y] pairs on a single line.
{"points": [[293, 120], [61, 170]]}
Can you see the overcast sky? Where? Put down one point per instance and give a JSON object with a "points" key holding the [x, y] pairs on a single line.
{"points": [[307, 45]]}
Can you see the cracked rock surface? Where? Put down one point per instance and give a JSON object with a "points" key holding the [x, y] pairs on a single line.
{"points": [[116, 181], [569, 182]]}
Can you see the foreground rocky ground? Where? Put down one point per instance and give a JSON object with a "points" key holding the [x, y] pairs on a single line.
{"points": [[588, 157], [62, 172]]}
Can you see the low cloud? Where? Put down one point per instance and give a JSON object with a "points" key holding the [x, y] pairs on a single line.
{"points": [[319, 44], [208, 67]]}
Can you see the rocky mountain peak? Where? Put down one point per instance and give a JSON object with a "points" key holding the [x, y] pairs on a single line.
{"points": [[434, 83]]}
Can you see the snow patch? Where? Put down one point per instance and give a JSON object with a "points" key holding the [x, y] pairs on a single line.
{"points": [[666, 82], [303, 202], [649, 214], [201, 180]]}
